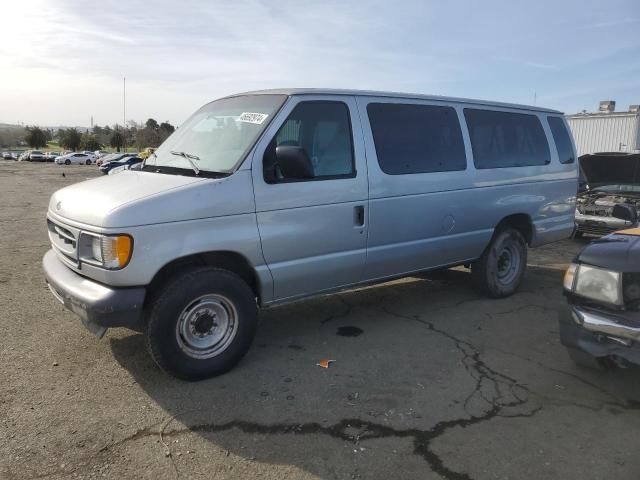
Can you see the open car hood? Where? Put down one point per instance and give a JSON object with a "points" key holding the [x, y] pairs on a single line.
{"points": [[611, 168]]}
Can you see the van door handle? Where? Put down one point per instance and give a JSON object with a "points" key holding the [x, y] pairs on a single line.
{"points": [[359, 216]]}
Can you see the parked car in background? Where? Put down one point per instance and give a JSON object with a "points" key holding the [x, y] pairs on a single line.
{"points": [[600, 326], [100, 153], [24, 156], [7, 155], [16, 155], [113, 157], [120, 165], [607, 181], [51, 156], [74, 158], [36, 156], [225, 217]]}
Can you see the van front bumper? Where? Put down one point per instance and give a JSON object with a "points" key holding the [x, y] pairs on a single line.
{"points": [[98, 306], [600, 334]]}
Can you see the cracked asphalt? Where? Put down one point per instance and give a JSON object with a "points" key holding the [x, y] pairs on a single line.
{"points": [[441, 383]]}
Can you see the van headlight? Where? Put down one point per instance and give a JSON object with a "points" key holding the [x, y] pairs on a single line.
{"points": [[594, 283], [112, 252]]}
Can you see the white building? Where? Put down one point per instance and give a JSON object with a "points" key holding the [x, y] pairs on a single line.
{"points": [[606, 130]]}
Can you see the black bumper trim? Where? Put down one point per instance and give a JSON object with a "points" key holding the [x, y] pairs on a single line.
{"points": [[98, 305]]}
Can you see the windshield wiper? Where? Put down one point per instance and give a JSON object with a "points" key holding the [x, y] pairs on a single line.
{"points": [[190, 158]]}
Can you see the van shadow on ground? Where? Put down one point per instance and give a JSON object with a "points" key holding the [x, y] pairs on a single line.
{"points": [[433, 356]]}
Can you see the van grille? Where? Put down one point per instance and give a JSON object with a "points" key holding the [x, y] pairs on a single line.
{"points": [[64, 240]]}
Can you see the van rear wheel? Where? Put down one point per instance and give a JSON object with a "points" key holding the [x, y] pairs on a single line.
{"points": [[499, 271], [201, 323]]}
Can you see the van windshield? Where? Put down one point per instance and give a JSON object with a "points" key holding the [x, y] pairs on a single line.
{"points": [[218, 136]]}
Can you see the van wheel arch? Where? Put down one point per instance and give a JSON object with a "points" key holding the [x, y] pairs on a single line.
{"points": [[518, 221], [226, 260]]}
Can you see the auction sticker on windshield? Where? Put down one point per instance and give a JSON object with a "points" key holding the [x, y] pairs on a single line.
{"points": [[250, 117]]}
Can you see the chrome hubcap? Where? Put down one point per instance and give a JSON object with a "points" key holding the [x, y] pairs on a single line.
{"points": [[207, 326]]}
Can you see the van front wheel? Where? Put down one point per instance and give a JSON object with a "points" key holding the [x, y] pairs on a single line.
{"points": [[201, 323], [499, 271]]}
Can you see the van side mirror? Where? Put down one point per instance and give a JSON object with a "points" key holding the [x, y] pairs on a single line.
{"points": [[294, 162], [625, 212]]}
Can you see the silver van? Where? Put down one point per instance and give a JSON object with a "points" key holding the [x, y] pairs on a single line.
{"points": [[267, 197]]}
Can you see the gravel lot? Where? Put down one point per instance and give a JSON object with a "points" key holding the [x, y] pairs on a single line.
{"points": [[435, 382]]}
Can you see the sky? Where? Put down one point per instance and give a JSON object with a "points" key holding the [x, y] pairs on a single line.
{"points": [[63, 61]]}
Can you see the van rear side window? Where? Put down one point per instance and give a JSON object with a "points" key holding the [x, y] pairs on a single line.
{"points": [[413, 138], [562, 140], [505, 139]]}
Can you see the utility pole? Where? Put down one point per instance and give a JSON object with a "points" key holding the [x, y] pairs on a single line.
{"points": [[124, 113]]}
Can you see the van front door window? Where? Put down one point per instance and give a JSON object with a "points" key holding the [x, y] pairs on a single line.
{"points": [[322, 130]]}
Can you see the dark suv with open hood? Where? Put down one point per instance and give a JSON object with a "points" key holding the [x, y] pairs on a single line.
{"points": [[609, 193]]}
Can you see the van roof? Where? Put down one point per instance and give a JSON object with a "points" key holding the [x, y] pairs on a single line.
{"points": [[373, 93]]}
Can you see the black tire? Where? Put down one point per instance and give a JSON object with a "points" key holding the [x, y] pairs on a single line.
{"points": [[179, 304], [67, 162], [88, 162], [584, 360], [578, 234], [499, 271]]}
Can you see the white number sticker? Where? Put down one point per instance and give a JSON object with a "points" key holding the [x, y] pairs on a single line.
{"points": [[249, 117]]}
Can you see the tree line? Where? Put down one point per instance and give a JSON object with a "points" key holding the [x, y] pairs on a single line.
{"points": [[149, 134]]}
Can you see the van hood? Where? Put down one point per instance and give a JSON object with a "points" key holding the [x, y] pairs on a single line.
{"points": [[133, 198], [611, 168]]}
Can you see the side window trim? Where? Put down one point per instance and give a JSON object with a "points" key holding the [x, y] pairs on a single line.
{"points": [[354, 170]]}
